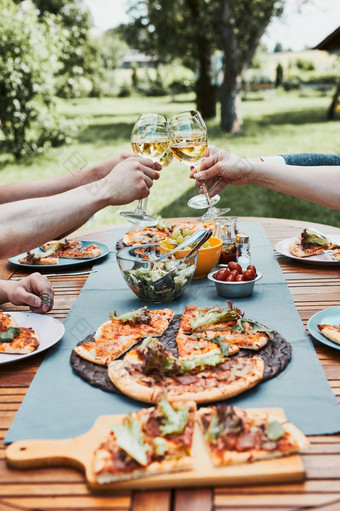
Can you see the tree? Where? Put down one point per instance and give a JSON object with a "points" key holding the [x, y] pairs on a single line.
{"points": [[27, 57], [193, 30]]}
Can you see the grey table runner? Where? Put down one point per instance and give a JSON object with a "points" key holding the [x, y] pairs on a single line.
{"points": [[59, 404]]}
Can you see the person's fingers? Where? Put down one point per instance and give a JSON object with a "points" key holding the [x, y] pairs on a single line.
{"points": [[40, 286]]}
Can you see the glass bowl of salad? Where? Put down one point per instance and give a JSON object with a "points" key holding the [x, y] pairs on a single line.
{"points": [[153, 280]]}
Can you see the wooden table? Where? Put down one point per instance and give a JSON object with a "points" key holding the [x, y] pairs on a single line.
{"points": [[313, 288]]}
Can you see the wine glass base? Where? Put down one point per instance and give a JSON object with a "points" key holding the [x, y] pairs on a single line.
{"points": [[213, 213], [200, 202], [140, 218]]}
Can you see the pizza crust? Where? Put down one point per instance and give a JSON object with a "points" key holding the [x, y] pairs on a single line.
{"points": [[332, 332], [121, 373], [296, 249]]}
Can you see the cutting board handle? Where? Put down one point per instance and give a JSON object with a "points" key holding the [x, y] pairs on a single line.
{"points": [[42, 453]]}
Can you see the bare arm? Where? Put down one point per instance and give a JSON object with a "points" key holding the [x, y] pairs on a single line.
{"points": [[314, 183], [28, 223], [12, 192]]}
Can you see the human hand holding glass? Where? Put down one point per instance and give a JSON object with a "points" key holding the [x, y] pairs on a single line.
{"points": [[189, 142], [149, 139]]}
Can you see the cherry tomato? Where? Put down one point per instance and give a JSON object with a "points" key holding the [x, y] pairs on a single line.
{"points": [[249, 275], [234, 266], [240, 278], [230, 278], [234, 272], [251, 267], [222, 274]]}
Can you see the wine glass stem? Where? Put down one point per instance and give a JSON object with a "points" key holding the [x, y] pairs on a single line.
{"points": [[141, 206], [207, 196]]}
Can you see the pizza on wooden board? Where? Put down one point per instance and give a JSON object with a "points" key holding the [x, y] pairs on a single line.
{"points": [[166, 438], [234, 435], [150, 441], [120, 333], [16, 340], [332, 332]]}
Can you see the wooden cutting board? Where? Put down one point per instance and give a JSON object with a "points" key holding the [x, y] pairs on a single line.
{"points": [[77, 452]]}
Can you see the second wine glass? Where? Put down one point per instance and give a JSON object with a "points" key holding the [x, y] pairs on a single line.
{"points": [[149, 139], [189, 142]]}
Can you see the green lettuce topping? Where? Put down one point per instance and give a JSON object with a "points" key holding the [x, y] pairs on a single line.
{"points": [[226, 420], [158, 360], [275, 431], [311, 238], [215, 315], [129, 438], [241, 326], [174, 420], [141, 315], [10, 334]]}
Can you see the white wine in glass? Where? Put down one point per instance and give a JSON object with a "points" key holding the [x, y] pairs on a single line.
{"points": [[189, 143], [149, 139]]}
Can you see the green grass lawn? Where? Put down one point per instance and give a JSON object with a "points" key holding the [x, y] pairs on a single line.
{"points": [[273, 123]]}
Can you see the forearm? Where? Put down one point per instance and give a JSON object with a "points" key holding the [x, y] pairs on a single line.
{"points": [[320, 185], [3, 291], [12, 192], [27, 224]]}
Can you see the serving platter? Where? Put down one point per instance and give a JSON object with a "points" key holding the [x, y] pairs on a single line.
{"points": [[49, 329], [63, 262], [323, 259]]}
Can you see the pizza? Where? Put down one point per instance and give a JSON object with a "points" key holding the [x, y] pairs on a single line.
{"points": [[39, 259], [120, 333], [151, 370], [234, 435], [146, 235], [15, 339], [310, 244], [60, 245], [332, 332], [225, 326], [150, 441]]}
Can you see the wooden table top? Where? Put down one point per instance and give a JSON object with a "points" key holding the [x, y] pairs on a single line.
{"points": [[313, 288]]}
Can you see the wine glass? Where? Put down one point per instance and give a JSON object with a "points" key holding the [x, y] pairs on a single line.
{"points": [[189, 142], [149, 139]]}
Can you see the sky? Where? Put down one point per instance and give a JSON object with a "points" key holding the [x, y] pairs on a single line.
{"points": [[296, 30]]}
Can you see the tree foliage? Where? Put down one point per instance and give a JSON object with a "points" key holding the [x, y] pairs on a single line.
{"points": [[194, 29], [27, 60]]}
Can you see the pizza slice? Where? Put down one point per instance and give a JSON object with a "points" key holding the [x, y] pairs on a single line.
{"points": [[151, 441], [150, 370], [60, 245], [234, 435], [16, 340], [146, 235], [200, 319], [332, 332], [120, 333], [201, 343], [89, 252], [39, 259], [309, 244], [6, 321]]}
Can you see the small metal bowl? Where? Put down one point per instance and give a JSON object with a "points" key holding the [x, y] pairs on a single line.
{"points": [[234, 289]]}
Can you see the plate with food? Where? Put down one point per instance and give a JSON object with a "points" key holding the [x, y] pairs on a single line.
{"points": [[23, 334], [324, 326], [311, 247], [57, 254]]}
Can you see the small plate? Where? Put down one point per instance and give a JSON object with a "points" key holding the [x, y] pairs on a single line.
{"points": [[50, 331], [63, 262], [283, 248], [329, 316]]}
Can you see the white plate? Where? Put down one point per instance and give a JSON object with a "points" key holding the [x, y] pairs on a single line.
{"points": [[50, 331], [329, 316], [283, 248]]}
